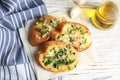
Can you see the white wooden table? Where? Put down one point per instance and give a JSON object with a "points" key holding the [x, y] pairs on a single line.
{"points": [[106, 43]]}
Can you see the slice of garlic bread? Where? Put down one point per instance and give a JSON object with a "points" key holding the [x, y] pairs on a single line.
{"points": [[57, 56], [40, 31], [73, 33]]}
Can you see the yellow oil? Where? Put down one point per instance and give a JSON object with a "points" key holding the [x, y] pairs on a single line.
{"points": [[89, 12], [105, 15]]}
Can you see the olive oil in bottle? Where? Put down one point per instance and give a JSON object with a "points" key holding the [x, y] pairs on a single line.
{"points": [[105, 15]]}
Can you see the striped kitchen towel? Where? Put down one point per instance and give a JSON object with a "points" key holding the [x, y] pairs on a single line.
{"points": [[14, 63]]}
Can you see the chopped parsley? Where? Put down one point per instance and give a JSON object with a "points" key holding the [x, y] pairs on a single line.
{"points": [[43, 20], [82, 32], [48, 62], [69, 68], [85, 40], [37, 24], [58, 58], [58, 38], [38, 30], [71, 39], [41, 31], [46, 27], [53, 23]]}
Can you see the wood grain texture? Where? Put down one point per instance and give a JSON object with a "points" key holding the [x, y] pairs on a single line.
{"points": [[106, 45]]}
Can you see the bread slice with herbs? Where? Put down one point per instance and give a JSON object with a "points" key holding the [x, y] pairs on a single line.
{"points": [[73, 33], [57, 56], [40, 31]]}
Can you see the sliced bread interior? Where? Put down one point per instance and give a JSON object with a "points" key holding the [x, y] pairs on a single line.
{"points": [[40, 31], [73, 33]]}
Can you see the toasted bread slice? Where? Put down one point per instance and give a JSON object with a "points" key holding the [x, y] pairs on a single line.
{"points": [[57, 56], [73, 33], [40, 31]]}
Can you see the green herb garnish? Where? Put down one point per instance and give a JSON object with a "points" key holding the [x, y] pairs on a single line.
{"points": [[37, 24], [41, 31], [58, 58], [43, 20], [38, 30], [82, 32], [60, 36], [46, 27], [69, 68], [53, 23], [85, 40], [48, 62], [71, 39]]}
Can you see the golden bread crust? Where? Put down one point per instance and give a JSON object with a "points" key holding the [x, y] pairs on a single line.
{"points": [[57, 62], [73, 33], [41, 30]]}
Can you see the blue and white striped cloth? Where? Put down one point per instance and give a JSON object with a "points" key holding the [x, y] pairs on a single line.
{"points": [[14, 63]]}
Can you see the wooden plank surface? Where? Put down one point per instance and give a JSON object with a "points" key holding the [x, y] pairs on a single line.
{"points": [[106, 43]]}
